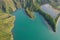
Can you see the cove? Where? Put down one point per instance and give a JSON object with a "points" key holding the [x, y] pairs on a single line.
{"points": [[36, 29]]}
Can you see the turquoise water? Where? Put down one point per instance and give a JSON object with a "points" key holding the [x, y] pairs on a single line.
{"points": [[36, 29]]}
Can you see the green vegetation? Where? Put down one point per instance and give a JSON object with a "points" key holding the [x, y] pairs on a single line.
{"points": [[7, 7], [29, 13], [6, 25]]}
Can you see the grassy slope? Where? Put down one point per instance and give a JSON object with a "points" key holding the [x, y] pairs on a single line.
{"points": [[6, 25], [8, 5], [6, 20]]}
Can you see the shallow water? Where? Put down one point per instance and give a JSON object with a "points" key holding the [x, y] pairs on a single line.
{"points": [[36, 29]]}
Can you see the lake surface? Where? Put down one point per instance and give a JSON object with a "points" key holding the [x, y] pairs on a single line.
{"points": [[36, 29]]}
